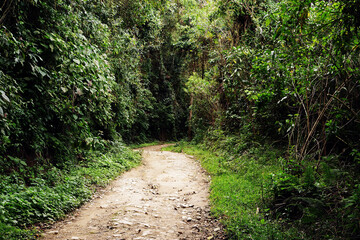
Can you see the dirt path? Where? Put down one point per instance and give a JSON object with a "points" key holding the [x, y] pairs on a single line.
{"points": [[165, 198]]}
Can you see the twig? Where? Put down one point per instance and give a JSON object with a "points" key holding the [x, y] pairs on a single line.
{"points": [[7, 10], [321, 114]]}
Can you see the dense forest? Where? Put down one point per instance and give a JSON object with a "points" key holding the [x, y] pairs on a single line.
{"points": [[274, 80]]}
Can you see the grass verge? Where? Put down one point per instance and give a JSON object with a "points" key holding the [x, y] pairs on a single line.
{"points": [[238, 188], [141, 145], [49, 195]]}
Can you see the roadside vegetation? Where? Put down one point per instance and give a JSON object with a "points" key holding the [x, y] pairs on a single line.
{"points": [[256, 195], [240, 190], [33, 198], [270, 86], [77, 80], [141, 145], [275, 90]]}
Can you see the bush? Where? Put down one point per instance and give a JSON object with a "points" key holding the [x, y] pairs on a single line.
{"points": [[8, 232], [54, 193]]}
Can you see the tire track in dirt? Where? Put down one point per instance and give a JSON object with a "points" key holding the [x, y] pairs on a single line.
{"points": [[165, 198]]}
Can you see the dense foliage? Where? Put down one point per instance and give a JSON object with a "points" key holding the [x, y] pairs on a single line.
{"points": [[78, 76], [32, 198], [287, 72]]}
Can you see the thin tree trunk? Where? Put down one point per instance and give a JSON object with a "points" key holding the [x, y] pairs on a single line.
{"points": [[190, 116]]}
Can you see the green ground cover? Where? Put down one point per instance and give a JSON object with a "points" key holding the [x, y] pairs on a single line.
{"points": [[239, 189], [141, 145], [39, 195]]}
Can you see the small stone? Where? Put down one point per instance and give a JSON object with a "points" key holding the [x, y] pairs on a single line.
{"points": [[75, 238], [189, 219], [125, 222], [216, 229], [53, 232], [145, 233], [196, 227], [186, 205]]}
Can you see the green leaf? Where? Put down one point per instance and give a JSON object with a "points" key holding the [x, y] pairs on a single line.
{"points": [[267, 22], [77, 61], [4, 96], [42, 73]]}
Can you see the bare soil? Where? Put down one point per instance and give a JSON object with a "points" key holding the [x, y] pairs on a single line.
{"points": [[165, 198]]}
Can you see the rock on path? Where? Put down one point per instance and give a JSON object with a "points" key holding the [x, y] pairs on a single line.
{"points": [[165, 198]]}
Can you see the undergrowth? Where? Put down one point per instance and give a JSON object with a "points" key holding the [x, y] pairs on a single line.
{"points": [[141, 145], [260, 192], [52, 193], [240, 172]]}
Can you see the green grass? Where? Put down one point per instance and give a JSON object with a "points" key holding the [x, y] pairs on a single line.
{"points": [[237, 193], [141, 145], [53, 193]]}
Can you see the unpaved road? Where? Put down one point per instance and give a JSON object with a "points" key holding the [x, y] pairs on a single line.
{"points": [[165, 198]]}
